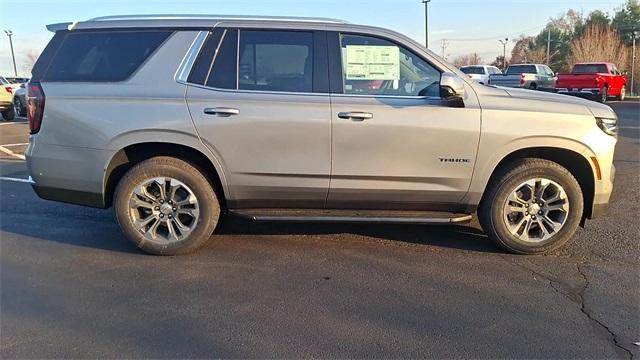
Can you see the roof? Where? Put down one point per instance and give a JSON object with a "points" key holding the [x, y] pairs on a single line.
{"points": [[184, 20]]}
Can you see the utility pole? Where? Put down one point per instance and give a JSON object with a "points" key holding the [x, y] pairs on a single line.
{"points": [[548, 45], [444, 47], [504, 53], [426, 22], [633, 62], [9, 33]]}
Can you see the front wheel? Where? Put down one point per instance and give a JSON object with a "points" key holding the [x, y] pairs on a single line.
{"points": [[166, 206], [9, 114], [533, 206]]}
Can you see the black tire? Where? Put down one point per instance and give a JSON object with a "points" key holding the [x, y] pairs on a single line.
{"points": [[491, 210], [162, 166], [604, 96], [19, 108], [533, 86], [9, 114]]}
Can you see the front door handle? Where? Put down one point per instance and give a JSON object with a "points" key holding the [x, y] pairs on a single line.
{"points": [[355, 115], [221, 111]]}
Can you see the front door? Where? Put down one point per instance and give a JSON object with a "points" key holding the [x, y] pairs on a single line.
{"points": [[395, 143], [259, 103]]}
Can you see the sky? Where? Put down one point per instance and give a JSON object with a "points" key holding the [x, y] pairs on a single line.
{"points": [[467, 25]]}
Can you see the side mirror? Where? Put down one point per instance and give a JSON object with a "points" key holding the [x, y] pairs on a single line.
{"points": [[451, 86]]}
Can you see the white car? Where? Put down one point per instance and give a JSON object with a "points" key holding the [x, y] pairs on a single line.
{"points": [[480, 73]]}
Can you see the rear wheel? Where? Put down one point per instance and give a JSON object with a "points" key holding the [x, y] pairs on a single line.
{"points": [[623, 93], [166, 206], [534, 206], [9, 114], [533, 86], [604, 95], [19, 108]]}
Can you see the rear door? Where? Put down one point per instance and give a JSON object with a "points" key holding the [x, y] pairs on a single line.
{"points": [[259, 100], [396, 144]]}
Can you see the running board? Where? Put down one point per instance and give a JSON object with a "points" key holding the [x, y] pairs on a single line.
{"points": [[353, 216]]}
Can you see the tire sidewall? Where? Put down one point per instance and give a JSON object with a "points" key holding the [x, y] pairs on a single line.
{"points": [[209, 209], [512, 243]]}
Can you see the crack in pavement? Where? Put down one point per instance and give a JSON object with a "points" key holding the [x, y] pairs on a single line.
{"points": [[583, 309], [574, 296]]}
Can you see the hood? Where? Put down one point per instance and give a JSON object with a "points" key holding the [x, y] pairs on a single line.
{"points": [[597, 109]]}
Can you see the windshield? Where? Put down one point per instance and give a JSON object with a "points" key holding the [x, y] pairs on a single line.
{"points": [[521, 69], [590, 69], [472, 70]]}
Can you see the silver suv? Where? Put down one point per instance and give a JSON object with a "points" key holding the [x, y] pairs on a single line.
{"points": [[174, 120]]}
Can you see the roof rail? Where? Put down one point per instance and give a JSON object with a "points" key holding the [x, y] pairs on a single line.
{"points": [[215, 17]]}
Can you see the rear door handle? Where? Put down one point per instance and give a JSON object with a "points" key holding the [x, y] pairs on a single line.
{"points": [[355, 115], [221, 111]]}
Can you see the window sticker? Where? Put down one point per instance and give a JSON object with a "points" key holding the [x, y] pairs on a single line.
{"points": [[368, 62]]}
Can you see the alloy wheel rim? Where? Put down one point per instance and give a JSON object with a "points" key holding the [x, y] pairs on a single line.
{"points": [[536, 210], [164, 210], [17, 107]]}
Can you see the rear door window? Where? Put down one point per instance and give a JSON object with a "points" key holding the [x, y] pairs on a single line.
{"points": [[276, 61], [103, 56]]}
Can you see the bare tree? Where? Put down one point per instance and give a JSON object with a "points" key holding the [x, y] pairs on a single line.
{"points": [[30, 59], [599, 43], [469, 59]]}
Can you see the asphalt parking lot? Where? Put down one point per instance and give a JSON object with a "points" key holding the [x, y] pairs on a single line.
{"points": [[71, 286]]}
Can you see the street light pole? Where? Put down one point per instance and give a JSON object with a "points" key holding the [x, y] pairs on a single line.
{"points": [[633, 62], [426, 22], [9, 33], [504, 52]]}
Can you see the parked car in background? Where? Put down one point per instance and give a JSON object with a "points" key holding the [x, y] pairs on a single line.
{"points": [[597, 80], [16, 80], [6, 99], [528, 76], [19, 100], [480, 73], [302, 120]]}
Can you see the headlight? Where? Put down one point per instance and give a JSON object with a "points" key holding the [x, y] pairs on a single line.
{"points": [[609, 126]]}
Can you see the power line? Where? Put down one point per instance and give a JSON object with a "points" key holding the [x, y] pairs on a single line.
{"points": [[497, 36]]}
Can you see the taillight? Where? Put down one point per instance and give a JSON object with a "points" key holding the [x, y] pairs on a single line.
{"points": [[35, 106], [521, 79], [9, 89]]}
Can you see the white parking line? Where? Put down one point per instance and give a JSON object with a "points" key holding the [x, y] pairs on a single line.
{"points": [[11, 153], [15, 179], [629, 127], [17, 144], [13, 123]]}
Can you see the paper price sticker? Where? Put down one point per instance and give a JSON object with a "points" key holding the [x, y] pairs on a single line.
{"points": [[369, 62]]}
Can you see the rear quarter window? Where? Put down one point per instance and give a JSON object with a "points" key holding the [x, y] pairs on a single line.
{"points": [[521, 69], [472, 70], [103, 56]]}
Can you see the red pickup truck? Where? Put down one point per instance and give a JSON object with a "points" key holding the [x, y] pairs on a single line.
{"points": [[593, 80]]}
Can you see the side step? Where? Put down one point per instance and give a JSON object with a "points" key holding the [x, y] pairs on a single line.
{"points": [[352, 216]]}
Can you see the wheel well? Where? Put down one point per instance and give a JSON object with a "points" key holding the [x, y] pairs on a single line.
{"points": [[133, 154], [577, 165]]}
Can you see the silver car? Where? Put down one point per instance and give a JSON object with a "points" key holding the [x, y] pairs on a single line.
{"points": [[480, 73], [528, 76], [173, 120]]}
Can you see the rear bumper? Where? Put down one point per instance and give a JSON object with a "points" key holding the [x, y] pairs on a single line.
{"points": [[68, 174], [587, 93], [4, 105]]}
